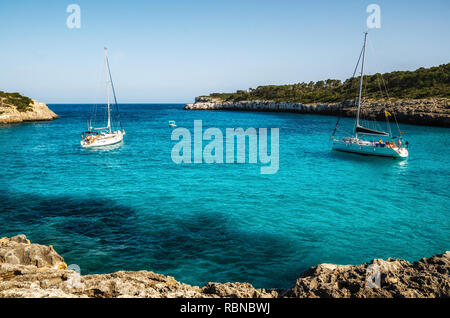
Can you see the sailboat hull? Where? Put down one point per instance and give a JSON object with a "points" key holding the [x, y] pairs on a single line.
{"points": [[370, 149], [103, 140]]}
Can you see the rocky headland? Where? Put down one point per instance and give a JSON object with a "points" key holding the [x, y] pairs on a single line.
{"points": [[33, 270], [430, 112], [35, 112]]}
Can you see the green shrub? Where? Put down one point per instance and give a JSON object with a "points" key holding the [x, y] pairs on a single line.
{"points": [[22, 103]]}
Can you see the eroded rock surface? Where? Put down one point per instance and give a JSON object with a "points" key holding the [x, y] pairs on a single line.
{"points": [[429, 277], [39, 112], [33, 270], [432, 112]]}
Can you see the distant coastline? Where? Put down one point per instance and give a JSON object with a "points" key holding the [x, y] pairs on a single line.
{"points": [[15, 108], [429, 112], [420, 97]]}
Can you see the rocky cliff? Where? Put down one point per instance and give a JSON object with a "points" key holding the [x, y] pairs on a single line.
{"points": [[37, 112], [432, 112], [33, 270]]}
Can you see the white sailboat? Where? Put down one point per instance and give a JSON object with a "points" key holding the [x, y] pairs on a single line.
{"points": [[104, 136], [360, 142]]}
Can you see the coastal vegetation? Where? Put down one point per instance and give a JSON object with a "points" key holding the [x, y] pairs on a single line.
{"points": [[22, 103], [419, 84]]}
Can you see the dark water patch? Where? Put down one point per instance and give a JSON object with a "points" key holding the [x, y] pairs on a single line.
{"points": [[102, 236]]}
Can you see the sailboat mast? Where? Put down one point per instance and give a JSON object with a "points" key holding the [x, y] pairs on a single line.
{"points": [[107, 91], [361, 81]]}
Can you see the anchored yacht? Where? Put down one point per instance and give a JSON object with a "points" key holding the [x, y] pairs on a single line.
{"points": [[369, 141], [104, 136]]}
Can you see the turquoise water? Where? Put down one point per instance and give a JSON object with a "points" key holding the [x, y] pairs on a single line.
{"points": [[132, 208]]}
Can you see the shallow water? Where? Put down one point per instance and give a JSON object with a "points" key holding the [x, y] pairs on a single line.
{"points": [[132, 208]]}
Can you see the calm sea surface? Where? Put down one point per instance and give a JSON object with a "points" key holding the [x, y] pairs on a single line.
{"points": [[132, 208]]}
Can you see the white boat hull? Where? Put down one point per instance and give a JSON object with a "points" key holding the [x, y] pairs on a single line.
{"points": [[370, 149], [103, 139]]}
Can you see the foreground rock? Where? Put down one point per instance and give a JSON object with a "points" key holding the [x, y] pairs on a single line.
{"points": [[431, 112], [427, 278], [38, 112], [32, 270]]}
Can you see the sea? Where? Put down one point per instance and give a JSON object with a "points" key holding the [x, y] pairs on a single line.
{"points": [[131, 207]]}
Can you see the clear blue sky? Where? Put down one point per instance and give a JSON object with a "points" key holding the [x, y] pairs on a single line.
{"points": [[174, 50]]}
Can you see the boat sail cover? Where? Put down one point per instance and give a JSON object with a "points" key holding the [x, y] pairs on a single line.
{"points": [[368, 131]]}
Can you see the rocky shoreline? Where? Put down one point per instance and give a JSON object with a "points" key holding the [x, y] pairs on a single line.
{"points": [[430, 112], [34, 271], [39, 112]]}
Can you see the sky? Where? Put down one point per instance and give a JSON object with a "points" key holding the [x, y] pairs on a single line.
{"points": [[169, 51]]}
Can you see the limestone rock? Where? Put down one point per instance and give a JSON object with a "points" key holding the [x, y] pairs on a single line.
{"points": [[432, 112], [237, 290], [39, 112], [33, 270], [429, 277], [18, 250]]}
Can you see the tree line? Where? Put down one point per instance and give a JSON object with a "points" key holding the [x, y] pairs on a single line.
{"points": [[421, 83]]}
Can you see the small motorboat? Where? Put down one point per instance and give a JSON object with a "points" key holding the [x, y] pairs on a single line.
{"points": [[172, 123]]}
